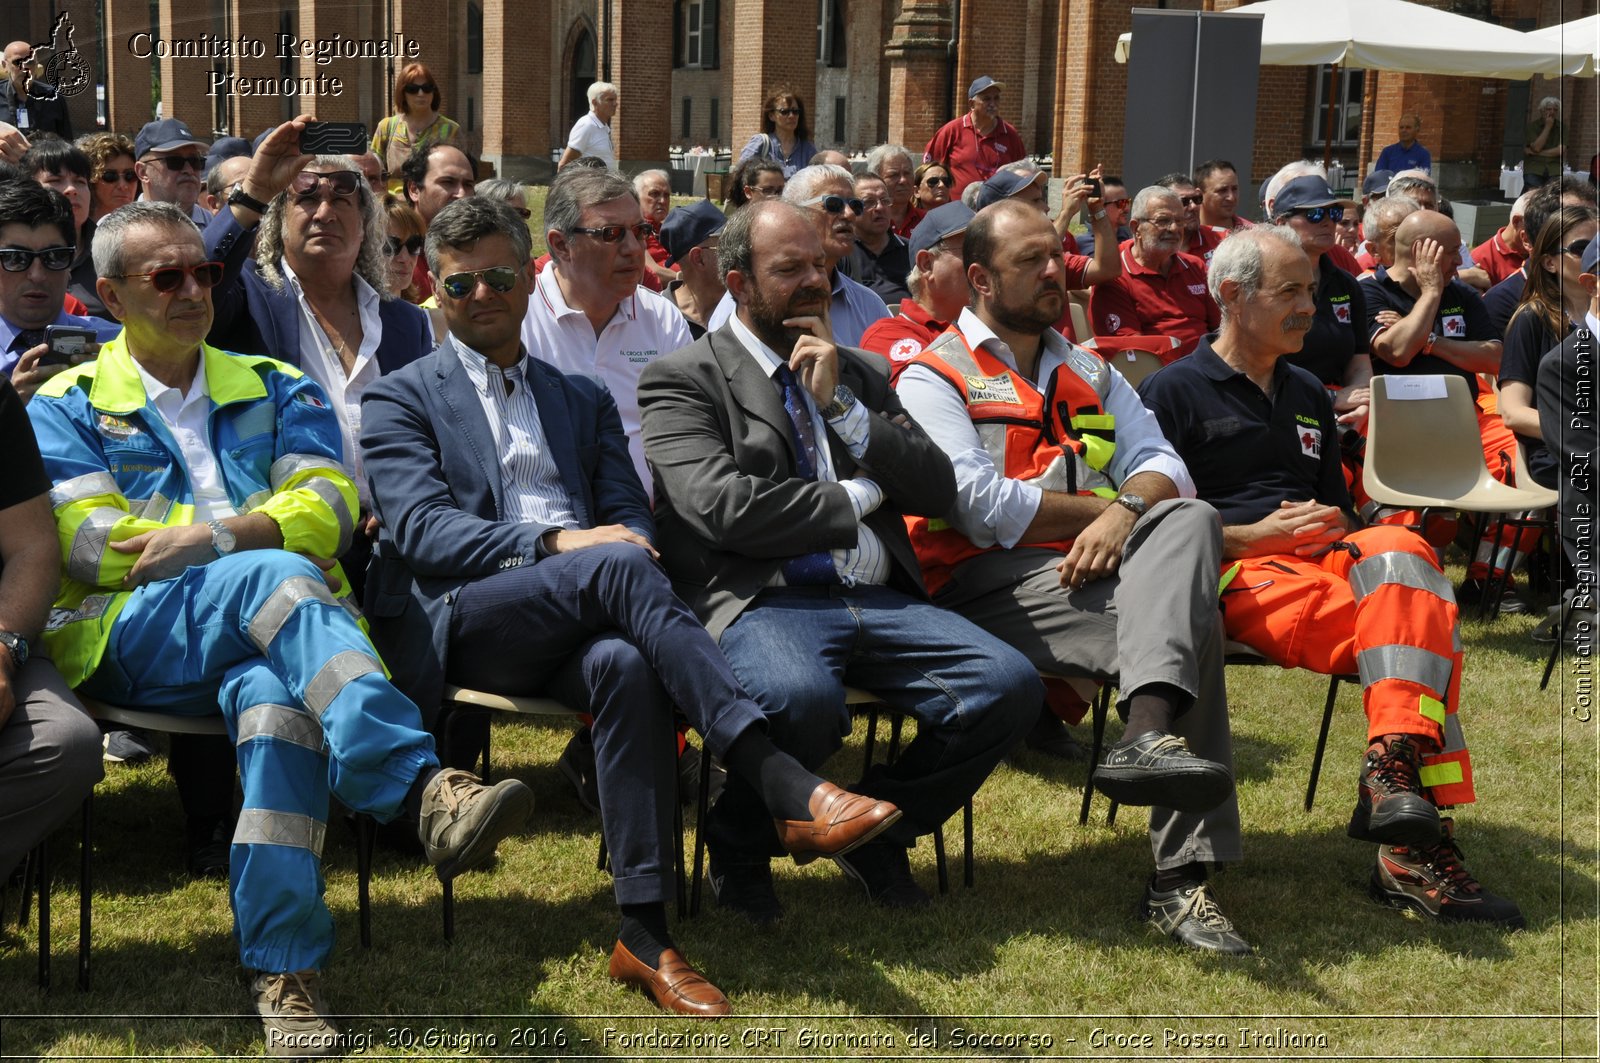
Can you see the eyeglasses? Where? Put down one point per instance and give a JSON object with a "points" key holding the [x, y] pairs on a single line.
{"points": [[460, 285], [412, 245], [787, 112], [937, 182], [1123, 202], [871, 204], [308, 184], [170, 278], [1163, 222], [836, 204], [419, 90], [1316, 215], [1190, 201], [613, 234], [20, 259], [176, 163], [1577, 247], [111, 177]]}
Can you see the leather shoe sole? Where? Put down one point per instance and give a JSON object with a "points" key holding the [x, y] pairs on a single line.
{"points": [[840, 821], [674, 984], [1405, 819], [1158, 770]]}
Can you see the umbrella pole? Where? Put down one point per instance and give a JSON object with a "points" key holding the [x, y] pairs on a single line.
{"points": [[1327, 132]]}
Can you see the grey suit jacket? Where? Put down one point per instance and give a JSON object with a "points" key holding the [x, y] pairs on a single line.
{"points": [[730, 505]]}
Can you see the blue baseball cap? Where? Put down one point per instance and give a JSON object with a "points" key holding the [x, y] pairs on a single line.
{"points": [[686, 228], [227, 148], [1006, 184], [985, 82], [164, 135], [1377, 183], [1591, 257], [1303, 193], [942, 221]]}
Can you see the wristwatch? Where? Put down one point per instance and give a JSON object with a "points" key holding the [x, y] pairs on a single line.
{"points": [[843, 399], [223, 541], [1427, 348], [246, 200], [1133, 502], [18, 647], [1097, 214]]}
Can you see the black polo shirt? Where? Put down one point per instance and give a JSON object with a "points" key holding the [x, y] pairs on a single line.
{"points": [[1338, 329], [1461, 316], [1246, 453], [1528, 340], [885, 274], [1502, 300]]}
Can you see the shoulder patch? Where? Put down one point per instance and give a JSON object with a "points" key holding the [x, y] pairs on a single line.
{"points": [[904, 350], [996, 389], [307, 398], [115, 427]]}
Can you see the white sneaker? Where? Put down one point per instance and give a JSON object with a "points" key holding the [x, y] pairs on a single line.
{"points": [[294, 1015]]}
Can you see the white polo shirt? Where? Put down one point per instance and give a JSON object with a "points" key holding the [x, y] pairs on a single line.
{"points": [[644, 328], [590, 136]]}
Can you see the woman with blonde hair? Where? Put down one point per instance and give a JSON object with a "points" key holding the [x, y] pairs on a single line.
{"points": [[416, 121]]}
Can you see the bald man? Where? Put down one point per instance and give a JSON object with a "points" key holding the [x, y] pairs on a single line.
{"points": [[31, 105]]}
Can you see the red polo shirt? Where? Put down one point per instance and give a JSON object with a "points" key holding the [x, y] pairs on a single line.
{"points": [[914, 214], [1340, 256], [971, 156], [1142, 302], [1496, 259], [1203, 242], [902, 337]]}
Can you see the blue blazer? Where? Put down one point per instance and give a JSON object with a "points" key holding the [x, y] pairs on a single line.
{"points": [[431, 462], [254, 318]]}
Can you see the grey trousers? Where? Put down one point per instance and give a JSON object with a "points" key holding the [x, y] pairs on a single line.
{"points": [[1154, 621], [49, 761]]}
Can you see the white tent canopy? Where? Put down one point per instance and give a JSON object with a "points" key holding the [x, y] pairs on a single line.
{"points": [[1579, 37], [1396, 35]]}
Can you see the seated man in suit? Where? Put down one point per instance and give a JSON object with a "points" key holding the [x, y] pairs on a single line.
{"points": [[783, 466], [516, 557]]}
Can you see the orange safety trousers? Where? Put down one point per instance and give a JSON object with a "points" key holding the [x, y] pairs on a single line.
{"points": [[1385, 611]]}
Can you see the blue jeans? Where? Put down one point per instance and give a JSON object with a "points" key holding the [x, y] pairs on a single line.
{"points": [[796, 649]]}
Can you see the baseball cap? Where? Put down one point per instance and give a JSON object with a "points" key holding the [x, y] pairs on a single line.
{"points": [[164, 135], [227, 148], [1305, 192], [688, 227], [1377, 183], [1006, 184], [938, 223], [985, 82], [1591, 257]]}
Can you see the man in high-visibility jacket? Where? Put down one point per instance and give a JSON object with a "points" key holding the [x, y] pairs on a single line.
{"points": [[199, 501], [1070, 541], [1307, 587]]}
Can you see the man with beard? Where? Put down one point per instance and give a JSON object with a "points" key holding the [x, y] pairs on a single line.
{"points": [[1306, 586], [170, 162], [1200, 240], [1162, 290], [1070, 539], [784, 466]]}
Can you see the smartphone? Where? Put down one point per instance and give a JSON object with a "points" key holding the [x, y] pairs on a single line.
{"points": [[63, 343], [1096, 190], [334, 138]]}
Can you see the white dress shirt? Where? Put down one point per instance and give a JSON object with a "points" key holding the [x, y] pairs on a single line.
{"points": [[867, 561], [187, 416], [992, 509]]}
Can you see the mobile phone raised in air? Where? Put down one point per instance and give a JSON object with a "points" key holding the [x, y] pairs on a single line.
{"points": [[334, 138], [65, 342]]}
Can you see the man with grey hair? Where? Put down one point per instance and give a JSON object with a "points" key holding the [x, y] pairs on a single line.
{"points": [[1306, 586], [827, 193], [1162, 290], [206, 500], [1507, 247], [1418, 185], [1406, 153], [892, 163], [654, 189], [1545, 144], [591, 135], [1381, 220]]}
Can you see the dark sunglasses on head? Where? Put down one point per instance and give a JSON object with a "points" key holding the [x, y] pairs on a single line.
{"points": [[412, 245], [787, 112], [170, 278], [835, 204], [421, 89], [460, 285], [343, 183], [196, 163], [111, 177], [1316, 215], [19, 259], [937, 182], [613, 234], [1577, 247]]}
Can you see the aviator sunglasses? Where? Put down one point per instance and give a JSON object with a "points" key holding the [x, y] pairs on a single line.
{"points": [[460, 285], [308, 185], [613, 234]]}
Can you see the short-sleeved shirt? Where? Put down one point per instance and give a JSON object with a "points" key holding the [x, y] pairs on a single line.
{"points": [[1203, 242], [1394, 158], [884, 273], [1496, 259], [1528, 340], [1501, 301], [972, 156], [1338, 328], [1248, 454], [1142, 302], [1461, 316], [904, 336], [590, 136]]}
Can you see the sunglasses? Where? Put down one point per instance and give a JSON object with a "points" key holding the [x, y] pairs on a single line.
{"points": [[835, 204], [613, 234], [1316, 215], [460, 285], [177, 163], [411, 245], [308, 185], [170, 278], [1123, 202], [937, 182], [1577, 247], [1190, 201], [111, 177], [20, 259], [419, 90], [787, 112]]}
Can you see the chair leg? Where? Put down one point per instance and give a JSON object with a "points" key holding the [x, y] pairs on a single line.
{"points": [[44, 913], [449, 908], [1322, 740], [677, 854], [966, 833], [1555, 651], [366, 831], [872, 738], [602, 862], [85, 894], [896, 723], [1102, 707], [702, 801], [938, 859]]}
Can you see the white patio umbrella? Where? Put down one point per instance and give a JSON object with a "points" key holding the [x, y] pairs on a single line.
{"points": [[1399, 36], [1578, 37]]}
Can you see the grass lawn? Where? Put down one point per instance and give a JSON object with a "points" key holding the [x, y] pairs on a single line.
{"points": [[1043, 957]]}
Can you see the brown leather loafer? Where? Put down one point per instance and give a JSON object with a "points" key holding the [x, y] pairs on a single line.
{"points": [[674, 985], [840, 821]]}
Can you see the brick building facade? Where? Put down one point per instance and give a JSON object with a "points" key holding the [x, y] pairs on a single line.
{"points": [[696, 72]]}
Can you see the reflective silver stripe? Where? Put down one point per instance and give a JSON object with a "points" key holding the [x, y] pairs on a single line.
{"points": [[274, 612], [328, 491], [1404, 662], [1408, 570], [1455, 639], [332, 677], [291, 465], [281, 722], [348, 604], [154, 508], [1453, 741], [78, 488], [89, 544], [257, 826], [253, 503]]}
